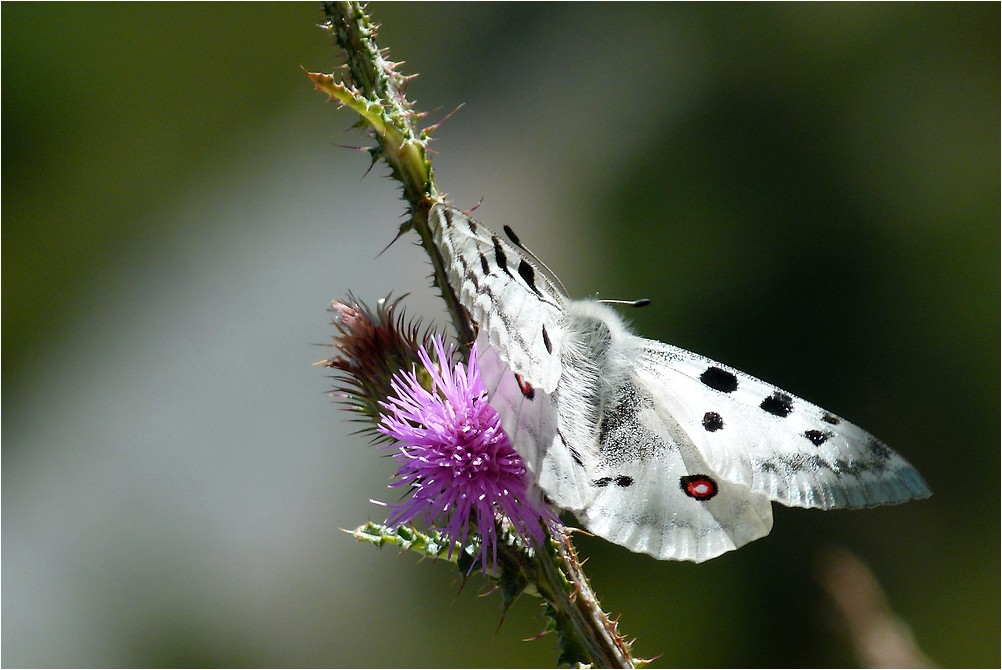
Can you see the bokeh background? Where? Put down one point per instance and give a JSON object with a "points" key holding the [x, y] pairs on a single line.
{"points": [[808, 192]]}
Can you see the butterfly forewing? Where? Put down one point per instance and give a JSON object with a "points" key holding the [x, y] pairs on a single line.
{"points": [[755, 434], [511, 299]]}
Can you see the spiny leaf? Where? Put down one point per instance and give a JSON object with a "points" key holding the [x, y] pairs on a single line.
{"points": [[408, 538]]}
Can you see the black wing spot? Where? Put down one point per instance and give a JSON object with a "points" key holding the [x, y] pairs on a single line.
{"points": [[712, 422], [447, 215], [778, 404], [546, 341], [499, 256], [484, 265], [526, 272], [469, 276], [700, 487], [719, 379], [620, 480], [512, 236], [831, 419], [817, 437]]}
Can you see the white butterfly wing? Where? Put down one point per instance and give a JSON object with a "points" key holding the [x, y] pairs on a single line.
{"points": [[529, 419], [656, 494], [512, 300], [776, 444]]}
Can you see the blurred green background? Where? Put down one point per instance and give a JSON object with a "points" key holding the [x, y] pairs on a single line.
{"points": [[808, 192]]}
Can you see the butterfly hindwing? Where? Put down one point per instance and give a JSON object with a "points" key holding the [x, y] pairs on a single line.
{"points": [[632, 475], [513, 301], [777, 444], [529, 419], [656, 494]]}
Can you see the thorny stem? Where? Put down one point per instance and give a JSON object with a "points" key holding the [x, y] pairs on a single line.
{"points": [[377, 94], [387, 110], [583, 612]]}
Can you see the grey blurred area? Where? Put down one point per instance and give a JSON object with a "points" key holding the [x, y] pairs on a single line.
{"points": [[807, 192]]}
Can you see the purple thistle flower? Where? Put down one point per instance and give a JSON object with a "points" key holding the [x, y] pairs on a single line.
{"points": [[455, 457]]}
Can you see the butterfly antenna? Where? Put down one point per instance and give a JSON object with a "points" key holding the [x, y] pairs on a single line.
{"points": [[518, 243], [639, 302], [470, 211]]}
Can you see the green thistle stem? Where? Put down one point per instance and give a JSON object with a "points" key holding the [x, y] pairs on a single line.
{"points": [[554, 573], [429, 545], [378, 99]]}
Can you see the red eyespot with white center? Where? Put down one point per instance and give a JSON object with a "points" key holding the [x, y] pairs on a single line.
{"points": [[700, 487]]}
